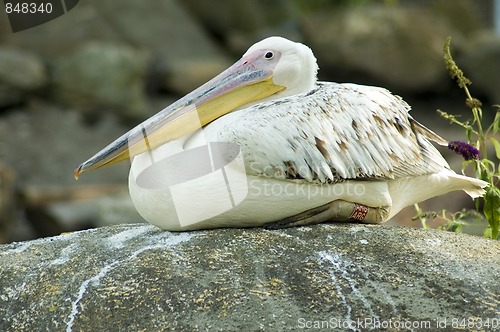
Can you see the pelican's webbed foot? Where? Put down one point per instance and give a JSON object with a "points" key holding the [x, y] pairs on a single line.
{"points": [[337, 210]]}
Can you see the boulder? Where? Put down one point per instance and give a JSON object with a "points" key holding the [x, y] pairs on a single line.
{"points": [[41, 146], [480, 62], [397, 47], [20, 73], [7, 202], [44, 143], [107, 76], [356, 277], [240, 24], [116, 209], [164, 30]]}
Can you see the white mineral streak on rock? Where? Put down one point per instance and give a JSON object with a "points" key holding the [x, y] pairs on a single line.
{"points": [[19, 249], [117, 241], [324, 256], [345, 267], [66, 254]]}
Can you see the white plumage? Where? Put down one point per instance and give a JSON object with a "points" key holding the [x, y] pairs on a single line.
{"points": [[337, 142], [305, 145]]}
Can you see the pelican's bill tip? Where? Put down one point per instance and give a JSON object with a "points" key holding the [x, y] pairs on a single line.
{"points": [[77, 172]]}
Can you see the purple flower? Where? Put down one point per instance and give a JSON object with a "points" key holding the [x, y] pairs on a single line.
{"points": [[466, 150]]}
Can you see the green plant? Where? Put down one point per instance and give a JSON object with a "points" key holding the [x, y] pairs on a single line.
{"points": [[475, 153]]}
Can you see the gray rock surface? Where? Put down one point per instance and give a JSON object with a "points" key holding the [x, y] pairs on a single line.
{"points": [[40, 146], [20, 73], [401, 47], [106, 76], [239, 24], [43, 143], [164, 30], [481, 64], [137, 277]]}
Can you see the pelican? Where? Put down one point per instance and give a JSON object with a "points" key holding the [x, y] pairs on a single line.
{"points": [[265, 144]]}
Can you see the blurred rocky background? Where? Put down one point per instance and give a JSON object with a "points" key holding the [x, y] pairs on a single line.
{"points": [[71, 86]]}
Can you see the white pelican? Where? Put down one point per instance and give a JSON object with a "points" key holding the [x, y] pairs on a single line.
{"points": [[292, 151]]}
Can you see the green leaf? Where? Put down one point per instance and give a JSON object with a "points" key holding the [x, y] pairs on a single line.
{"points": [[487, 233], [496, 122], [497, 146], [492, 209]]}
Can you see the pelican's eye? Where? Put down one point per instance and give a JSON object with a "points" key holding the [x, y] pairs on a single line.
{"points": [[269, 55]]}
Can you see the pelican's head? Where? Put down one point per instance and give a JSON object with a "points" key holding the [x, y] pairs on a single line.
{"points": [[295, 66], [272, 68]]}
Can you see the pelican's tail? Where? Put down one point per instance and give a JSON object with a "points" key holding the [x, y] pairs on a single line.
{"points": [[420, 188], [472, 186]]}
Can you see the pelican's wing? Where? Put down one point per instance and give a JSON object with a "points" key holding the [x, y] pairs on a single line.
{"points": [[333, 133]]}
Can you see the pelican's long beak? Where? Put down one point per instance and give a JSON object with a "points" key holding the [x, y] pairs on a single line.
{"points": [[248, 80]]}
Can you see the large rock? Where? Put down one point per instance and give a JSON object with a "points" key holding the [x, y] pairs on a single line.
{"points": [[41, 145], [7, 202], [137, 277], [397, 47], [239, 24], [106, 76], [162, 29], [480, 62], [20, 73], [44, 143]]}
